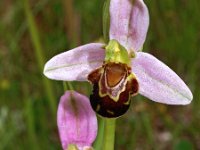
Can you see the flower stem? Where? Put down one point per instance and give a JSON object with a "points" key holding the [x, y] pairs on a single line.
{"points": [[67, 86], [70, 86], [109, 134], [100, 135]]}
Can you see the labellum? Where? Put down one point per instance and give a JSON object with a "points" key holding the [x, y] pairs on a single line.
{"points": [[113, 84]]}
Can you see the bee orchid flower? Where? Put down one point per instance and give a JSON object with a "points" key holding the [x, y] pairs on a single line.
{"points": [[119, 69]]}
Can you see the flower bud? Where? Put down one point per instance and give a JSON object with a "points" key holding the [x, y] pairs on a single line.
{"points": [[77, 122]]}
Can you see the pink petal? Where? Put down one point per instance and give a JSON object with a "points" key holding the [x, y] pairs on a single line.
{"points": [[75, 64], [129, 23], [158, 82], [77, 122]]}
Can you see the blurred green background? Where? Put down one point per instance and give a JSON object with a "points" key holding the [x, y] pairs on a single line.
{"points": [[28, 101]]}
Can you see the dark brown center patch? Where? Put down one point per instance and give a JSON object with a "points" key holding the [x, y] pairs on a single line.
{"points": [[104, 105]]}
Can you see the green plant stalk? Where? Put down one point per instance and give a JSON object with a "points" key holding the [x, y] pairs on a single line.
{"points": [[109, 134], [65, 86], [70, 86], [100, 135], [39, 54]]}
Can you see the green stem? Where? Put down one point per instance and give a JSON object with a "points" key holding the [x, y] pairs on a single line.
{"points": [[100, 135], [70, 86], [67, 86], [39, 54], [109, 134]]}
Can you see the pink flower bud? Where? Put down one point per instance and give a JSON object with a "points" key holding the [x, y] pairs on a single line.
{"points": [[77, 122]]}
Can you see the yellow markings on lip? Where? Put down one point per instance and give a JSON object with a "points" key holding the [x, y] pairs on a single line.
{"points": [[114, 98], [114, 75], [110, 112], [128, 102], [98, 107]]}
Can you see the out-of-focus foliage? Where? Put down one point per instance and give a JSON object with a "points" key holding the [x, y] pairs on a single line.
{"points": [[26, 119]]}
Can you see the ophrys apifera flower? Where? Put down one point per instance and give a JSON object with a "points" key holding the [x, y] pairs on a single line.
{"points": [[119, 69]]}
